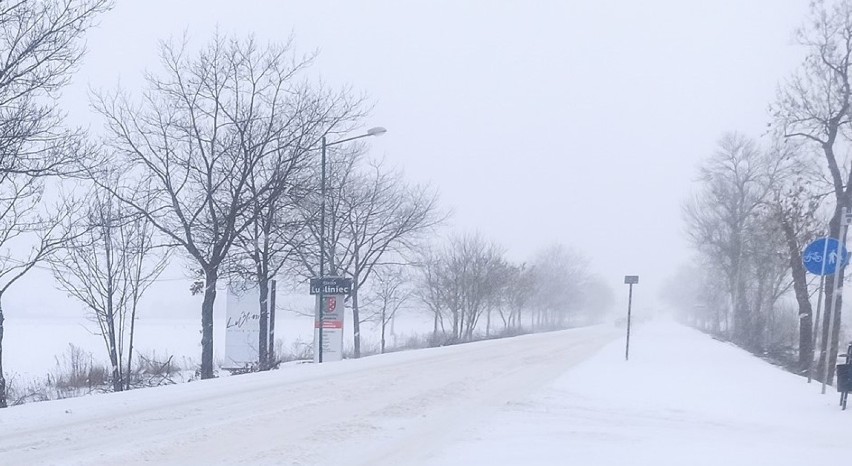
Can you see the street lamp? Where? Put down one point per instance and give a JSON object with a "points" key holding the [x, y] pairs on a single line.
{"points": [[377, 131]]}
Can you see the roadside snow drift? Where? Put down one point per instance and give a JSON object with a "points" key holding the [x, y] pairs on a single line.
{"points": [[561, 398]]}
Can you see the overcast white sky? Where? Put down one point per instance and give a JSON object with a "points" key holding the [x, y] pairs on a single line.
{"points": [[574, 121]]}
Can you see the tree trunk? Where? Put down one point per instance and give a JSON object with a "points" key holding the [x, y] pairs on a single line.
{"points": [[435, 327], [3, 403], [117, 382], [800, 288], [262, 344], [210, 279], [384, 324], [130, 346], [456, 324], [356, 318]]}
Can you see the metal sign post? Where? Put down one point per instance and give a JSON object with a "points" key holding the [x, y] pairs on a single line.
{"points": [[331, 293], [815, 326], [271, 350], [830, 312], [823, 257], [629, 280]]}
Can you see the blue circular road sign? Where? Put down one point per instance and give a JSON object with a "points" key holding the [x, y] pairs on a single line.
{"points": [[821, 257]]}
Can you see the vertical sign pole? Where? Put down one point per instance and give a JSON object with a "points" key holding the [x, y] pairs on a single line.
{"points": [[629, 280], [830, 312], [321, 298], [629, 306], [271, 352], [815, 330]]}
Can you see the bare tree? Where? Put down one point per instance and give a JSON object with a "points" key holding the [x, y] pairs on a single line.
{"points": [[212, 143], [518, 294], [719, 218], [747, 226], [814, 106], [262, 251], [429, 288], [375, 219], [389, 291], [473, 277], [463, 281], [270, 245], [793, 207], [28, 234], [40, 46], [107, 265], [560, 277]]}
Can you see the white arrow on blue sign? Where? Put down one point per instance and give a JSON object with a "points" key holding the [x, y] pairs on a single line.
{"points": [[823, 255]]}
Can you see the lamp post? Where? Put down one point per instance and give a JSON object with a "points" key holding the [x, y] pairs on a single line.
{"points": [[377, 131]]}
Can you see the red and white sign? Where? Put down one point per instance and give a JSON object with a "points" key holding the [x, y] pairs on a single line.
{"points": [[331, 322]]}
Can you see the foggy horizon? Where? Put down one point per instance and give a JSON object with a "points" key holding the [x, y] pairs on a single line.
{"points": [[539, 113]]}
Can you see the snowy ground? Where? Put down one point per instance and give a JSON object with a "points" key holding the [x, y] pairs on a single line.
{"points": [[548, 399], [683, 398], [160, 336]]}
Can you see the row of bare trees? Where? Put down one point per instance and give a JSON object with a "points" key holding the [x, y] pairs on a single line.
{"points": [[214, 163], [221, 157], [470, 284], [755, 210], [214, 153], [759, 206]]}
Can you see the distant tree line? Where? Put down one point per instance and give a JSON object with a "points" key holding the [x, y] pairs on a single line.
{"points": [[759, 203], [469, 285]]}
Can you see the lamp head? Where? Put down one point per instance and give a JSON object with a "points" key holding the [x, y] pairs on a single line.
{"points": [[377, 131]]}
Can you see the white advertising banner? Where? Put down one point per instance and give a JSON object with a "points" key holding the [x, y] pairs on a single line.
{"points": [[242, 330]]}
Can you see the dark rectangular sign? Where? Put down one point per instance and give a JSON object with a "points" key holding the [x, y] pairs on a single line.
{"points": [[631, 279], [331, 286]]}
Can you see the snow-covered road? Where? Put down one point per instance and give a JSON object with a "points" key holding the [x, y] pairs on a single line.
{"points": [[392, 409]]}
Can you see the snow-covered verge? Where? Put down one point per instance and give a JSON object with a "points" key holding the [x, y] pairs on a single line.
{"points": [[388, 407], [683, 398], [557, 398], [178, 337]]}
